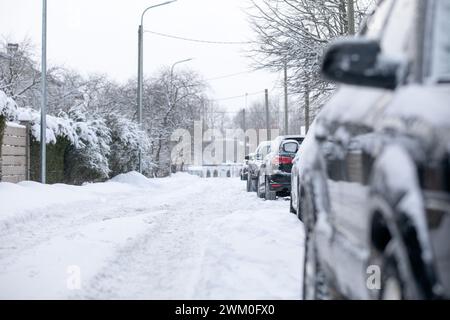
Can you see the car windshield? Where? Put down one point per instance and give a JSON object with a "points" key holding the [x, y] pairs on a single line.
{"points": [[441, 42]]}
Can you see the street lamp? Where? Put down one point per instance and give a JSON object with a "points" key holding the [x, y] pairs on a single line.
{"points": [[171, 74], [44, 93], [141, 69], [171, 77], [178, 62]]}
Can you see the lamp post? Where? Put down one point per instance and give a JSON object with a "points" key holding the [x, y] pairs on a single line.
{"points": [[176, 63], [44, 93], [141, 69], [171, 75]]}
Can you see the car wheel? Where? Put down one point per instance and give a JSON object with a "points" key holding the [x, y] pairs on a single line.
{"points": [[269, 195], [258, 188], [254, 184], [392, 285], [315, 286], [392, 288], [291, 207], [249, 184]]}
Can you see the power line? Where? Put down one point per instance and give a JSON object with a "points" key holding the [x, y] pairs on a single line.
{"points": [[230, 75], [251, 112], [197, 40], [238, 97]]}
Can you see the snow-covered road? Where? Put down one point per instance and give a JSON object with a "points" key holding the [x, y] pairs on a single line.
{"points": [[132, 238]]}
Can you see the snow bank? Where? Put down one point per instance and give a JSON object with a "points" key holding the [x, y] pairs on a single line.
{"points": [[25, 200], [134, 178]]}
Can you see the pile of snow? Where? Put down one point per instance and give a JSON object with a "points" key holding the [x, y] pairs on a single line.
{"points": [[135, 179], [24, 200]]}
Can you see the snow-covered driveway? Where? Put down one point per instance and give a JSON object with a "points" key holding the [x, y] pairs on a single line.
{"points": [[176, 238]]}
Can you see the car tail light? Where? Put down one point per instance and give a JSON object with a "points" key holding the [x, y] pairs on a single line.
{"points": [[275, 185], [281, 160]]}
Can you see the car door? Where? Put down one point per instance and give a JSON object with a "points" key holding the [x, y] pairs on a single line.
{"points": [[348, 113], [359, 144]]}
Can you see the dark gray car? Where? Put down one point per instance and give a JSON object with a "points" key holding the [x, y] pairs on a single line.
{"points": [[274, 175], [374, 187]]}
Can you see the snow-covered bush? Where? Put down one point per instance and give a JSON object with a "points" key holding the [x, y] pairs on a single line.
{"points": [[127, 139], [8, 109], [60, 126], [88, 161], [79, 141], [8, 106]]}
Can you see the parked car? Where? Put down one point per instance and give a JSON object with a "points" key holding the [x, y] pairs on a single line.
{"points": [[304, 161], [374, 190], [254, 164], [244, 170], [274, 174]]}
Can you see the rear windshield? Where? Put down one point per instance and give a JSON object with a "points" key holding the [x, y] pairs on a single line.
{"points": [[290, 147]]}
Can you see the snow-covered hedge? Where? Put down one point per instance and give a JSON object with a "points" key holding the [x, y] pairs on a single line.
{"points": [[8, 107], [88, 161], [127, 140], [97, 146]]}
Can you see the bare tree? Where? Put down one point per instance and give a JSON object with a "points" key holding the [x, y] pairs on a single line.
{"points": [[295, 33]]}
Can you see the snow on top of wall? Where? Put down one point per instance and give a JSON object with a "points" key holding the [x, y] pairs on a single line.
{"points": [[56, 126], [14, 125]]}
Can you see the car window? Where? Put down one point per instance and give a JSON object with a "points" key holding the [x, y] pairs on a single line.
{"points": [[440, 56], [399, 29], [265, 150], [276, 143], [377, 22]]}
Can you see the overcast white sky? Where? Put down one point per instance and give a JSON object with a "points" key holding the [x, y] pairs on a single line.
{"points": [[101, 36]]}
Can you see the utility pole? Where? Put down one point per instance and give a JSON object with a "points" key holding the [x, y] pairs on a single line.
{"points": [[267, 115], [140, 76], [351, 17], [307, 104], [286, 107], [244, 124], [44, 94], [140, 88]]}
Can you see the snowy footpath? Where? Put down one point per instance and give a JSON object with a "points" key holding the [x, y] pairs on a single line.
{"points": [[132, 238]]}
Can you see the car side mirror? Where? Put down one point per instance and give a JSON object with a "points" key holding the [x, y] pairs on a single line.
{"points": [[247, 158], [360, 62]]}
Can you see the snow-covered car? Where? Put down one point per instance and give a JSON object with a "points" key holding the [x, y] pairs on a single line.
{"points": [[304, 161], [374, 191], [274, 175], [255, 164]]}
